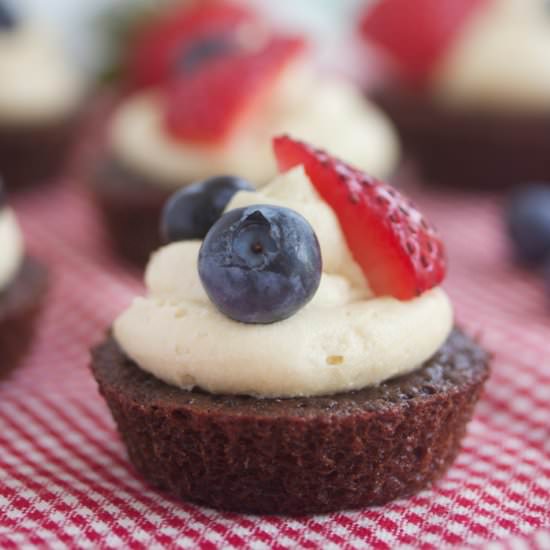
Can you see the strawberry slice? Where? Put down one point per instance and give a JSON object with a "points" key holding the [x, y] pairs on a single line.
{"points": [[205, 106], [416, 33], [159, 46], [399, 252]]}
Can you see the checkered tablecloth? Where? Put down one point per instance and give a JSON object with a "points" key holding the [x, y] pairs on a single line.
{"points": [[65, 480]]}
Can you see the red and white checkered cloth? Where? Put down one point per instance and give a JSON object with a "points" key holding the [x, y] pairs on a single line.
{"points": [[65, 480]]}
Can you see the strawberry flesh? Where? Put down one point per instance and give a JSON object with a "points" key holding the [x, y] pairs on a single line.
{"points": [[158, 48], [416, 33], [205, 106], [400, 253], [215, 63]]}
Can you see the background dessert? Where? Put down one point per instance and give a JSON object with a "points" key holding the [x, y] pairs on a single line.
{"points": [[470, 87], [67, 480], [252, 379], [40, 99], [166, 133], [22, 288]]}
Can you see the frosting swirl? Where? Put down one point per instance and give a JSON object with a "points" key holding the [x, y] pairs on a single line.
{"points": [[344, 339]]}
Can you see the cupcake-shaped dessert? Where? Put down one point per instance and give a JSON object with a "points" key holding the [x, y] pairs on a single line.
{"points": [[300, 356], [471, 87], [23, 283], [40, 100], [212, 85]]}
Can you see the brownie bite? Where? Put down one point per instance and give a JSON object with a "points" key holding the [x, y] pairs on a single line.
{"points": [[40, 102], [297, 455], [294, 352], [20, 304], [130, 206], [165, 134], [23, 285], [472, 110]]}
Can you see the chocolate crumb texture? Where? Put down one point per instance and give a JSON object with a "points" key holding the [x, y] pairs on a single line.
{"points": [[20, 304], [469, 149], [298, 455]]}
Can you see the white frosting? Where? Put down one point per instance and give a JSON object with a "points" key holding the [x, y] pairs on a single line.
{"points": [[501, 60], [343, 339], [37, 83], [11, 247], [330, 114]]}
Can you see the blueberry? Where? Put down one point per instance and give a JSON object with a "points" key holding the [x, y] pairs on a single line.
{"points": [[193, 210], [260, 264], [528, 219], [205, 50], [7, 19]]}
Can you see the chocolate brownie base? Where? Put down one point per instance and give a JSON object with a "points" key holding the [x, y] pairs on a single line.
{"points": [[300, 455], [468, 149], [131, 207], [20, 303], [34, 155]]}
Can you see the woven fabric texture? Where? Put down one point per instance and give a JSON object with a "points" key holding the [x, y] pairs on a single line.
{"points": [[65, 480]]}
